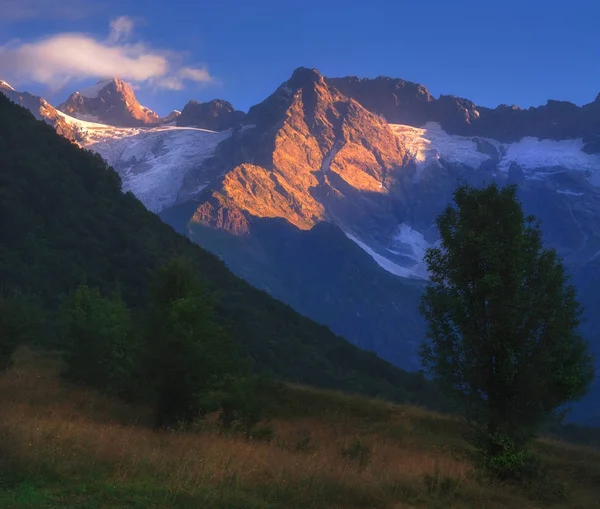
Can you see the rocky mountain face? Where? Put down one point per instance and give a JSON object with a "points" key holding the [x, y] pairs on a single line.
{"points": [[42, 110], [403, 102], [307, 155], [215, 115], [325, 194], [110, 102], [171, 116]]}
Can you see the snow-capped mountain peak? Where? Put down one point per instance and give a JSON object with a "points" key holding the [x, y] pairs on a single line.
{"points": [[111, 102]]}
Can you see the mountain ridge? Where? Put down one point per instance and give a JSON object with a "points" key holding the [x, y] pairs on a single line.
{"points": [[215, 115], [399, 101]]}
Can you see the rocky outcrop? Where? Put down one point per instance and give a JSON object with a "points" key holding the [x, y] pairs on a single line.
{"points": [[43, 110], [111, 102], [215, 115], [171, 117]]}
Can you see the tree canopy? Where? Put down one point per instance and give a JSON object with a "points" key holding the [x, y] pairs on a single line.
{"points": [[502, 316]]}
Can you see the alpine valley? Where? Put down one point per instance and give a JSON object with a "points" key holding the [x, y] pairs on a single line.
{"points": [[325, 193]]}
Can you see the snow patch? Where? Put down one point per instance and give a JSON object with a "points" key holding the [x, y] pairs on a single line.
{"points": [[3, 84], [93, 91], [413, 240], [329, 157], [432, 144], [87, 118], [384, 263]]}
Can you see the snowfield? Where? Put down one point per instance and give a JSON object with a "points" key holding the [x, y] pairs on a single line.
{"points": [[431, 144], [152, 161]]}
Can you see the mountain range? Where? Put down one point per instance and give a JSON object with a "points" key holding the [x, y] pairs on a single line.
{"points": [[325, 193]]}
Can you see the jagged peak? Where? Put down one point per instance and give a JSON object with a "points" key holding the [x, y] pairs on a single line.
{"points": [[272, 108], [216, 115], [212, 102], [395, 82], [111, 101], [305, 75]]}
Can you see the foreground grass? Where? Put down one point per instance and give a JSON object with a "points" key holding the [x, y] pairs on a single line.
{"points": [[63, 447]]}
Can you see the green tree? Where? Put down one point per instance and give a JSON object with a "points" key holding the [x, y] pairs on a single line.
{"points": [[502, 318], [97, 337], [191, 356]]}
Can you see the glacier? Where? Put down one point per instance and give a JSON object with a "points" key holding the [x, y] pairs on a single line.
{"points": [[153, 162]]}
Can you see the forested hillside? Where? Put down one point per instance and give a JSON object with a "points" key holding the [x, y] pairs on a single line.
{"points": [[64, 221]]}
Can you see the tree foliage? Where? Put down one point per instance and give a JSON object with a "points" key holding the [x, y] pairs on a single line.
{"points": [[97, 338], [190, 355], [502, 317]]}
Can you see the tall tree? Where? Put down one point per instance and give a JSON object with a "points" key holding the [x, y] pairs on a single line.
{"points": [[191, 357], [502, 317]]}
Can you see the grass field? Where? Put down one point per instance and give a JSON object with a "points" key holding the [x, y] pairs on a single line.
{"points": [[65, 447]]}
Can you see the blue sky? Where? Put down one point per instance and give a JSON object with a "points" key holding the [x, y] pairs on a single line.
{"points": [[492, 52]]}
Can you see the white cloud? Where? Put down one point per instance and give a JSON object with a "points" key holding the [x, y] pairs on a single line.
{"points": [[189, 73], [63, 58], [121, 29], [176, 81]]}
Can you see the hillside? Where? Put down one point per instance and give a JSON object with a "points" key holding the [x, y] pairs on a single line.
{"points": [[64, 220], [63, 447]]}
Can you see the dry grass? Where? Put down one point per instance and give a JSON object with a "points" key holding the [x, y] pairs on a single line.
{"points": [[410, 458]]}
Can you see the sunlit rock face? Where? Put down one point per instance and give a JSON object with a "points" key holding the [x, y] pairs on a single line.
{"points": [[111, 102]]}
